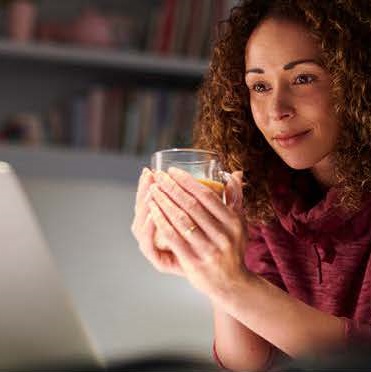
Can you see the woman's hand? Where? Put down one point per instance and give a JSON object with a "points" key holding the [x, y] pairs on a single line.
{"points": [[207, 237], [143, 229]]}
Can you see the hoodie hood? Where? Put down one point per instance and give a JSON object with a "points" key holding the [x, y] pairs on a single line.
{"points": [[310, 214]]}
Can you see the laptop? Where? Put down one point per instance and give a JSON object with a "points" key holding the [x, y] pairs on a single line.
{"points": [[38, 323]]}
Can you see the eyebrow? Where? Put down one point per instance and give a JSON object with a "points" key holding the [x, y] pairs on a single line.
{"points": [[288, 66]]}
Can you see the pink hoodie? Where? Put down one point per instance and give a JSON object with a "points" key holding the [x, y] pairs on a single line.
{"points": [[318, 253]]}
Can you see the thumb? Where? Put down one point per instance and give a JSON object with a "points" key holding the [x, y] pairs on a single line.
{"points": [[234, 193], [237, 175]]}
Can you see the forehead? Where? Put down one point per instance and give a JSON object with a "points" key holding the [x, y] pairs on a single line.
{"points": [[277, 42]]}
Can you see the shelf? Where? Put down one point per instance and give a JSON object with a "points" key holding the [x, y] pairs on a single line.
{"points": [[104, 58], [69, 163]]}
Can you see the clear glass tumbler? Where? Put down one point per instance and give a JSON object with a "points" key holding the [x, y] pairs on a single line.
{"points": [[203, 165]]}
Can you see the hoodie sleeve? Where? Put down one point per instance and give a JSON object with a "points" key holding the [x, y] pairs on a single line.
{"points": [[259, 259], [357, 333]]}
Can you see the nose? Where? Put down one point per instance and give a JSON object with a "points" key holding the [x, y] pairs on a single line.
{"points": [[281, 106]]}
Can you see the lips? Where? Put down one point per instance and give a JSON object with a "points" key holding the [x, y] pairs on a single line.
{"points": [[287, 136], [291, 139]]}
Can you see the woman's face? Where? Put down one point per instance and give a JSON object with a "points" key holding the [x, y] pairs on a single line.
{"points": [[290, 93]]}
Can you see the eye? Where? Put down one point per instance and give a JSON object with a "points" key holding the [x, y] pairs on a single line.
{"points": [[259, 87], [304, 79]]}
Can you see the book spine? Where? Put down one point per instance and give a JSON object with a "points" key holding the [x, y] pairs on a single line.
{"points": [[78, 129], [95, 104]]}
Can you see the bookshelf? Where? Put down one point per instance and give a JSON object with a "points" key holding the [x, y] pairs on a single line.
{"points": [[140, 62], [88, 223], [152, 83]]}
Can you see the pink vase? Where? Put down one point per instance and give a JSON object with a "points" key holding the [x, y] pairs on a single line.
{"points": [[21, 19], [92, 29]]}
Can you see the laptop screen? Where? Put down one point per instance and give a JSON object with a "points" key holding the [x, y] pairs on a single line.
{"points": [[38, 323]]}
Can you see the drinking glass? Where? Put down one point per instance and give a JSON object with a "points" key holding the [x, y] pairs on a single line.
{"points": [[203, 165]]}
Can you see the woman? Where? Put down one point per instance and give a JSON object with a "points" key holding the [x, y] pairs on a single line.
{"points": [[287, 99]]}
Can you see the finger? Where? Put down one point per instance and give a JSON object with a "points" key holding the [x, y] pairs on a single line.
{"points": [[141, 214], [183, 223], [209, 199], [214, 230], [233, 191], [174, 241], [163, 261], [147, 238], [142, 198], [145, 180], [238, 175]]}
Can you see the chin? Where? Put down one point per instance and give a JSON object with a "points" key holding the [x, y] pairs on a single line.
{"points": [[300, 163]]}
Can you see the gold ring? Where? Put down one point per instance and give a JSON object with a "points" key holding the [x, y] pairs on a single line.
{"points": [[190, 230]]}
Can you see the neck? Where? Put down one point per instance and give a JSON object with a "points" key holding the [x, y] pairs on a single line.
{"points": [[324, 173]]}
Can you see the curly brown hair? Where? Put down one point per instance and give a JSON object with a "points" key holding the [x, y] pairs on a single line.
{"points": [[225, 123]]}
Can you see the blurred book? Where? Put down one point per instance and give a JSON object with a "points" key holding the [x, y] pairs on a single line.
{"points": [[147, 109], [78, 122], [113, 119], [95, 106], [132, 121], [55, 125], [136, 121], [24, 128]]}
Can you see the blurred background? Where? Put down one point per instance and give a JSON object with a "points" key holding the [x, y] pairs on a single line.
{"points": [[89, 89]]}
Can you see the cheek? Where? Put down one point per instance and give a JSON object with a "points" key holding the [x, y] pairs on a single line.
{"points": [[330, 131], [259, 114], [323, 114], [317, 101]]}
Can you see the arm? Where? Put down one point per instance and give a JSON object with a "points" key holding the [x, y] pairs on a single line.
{"points": [[286, 322], [339, 332], [258, 294], [251, 352], [211, 258]]}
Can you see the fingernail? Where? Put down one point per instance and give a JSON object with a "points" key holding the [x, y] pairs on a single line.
{"points": [[153, 188], [160, 176], [177, 171], [173, 170]]}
